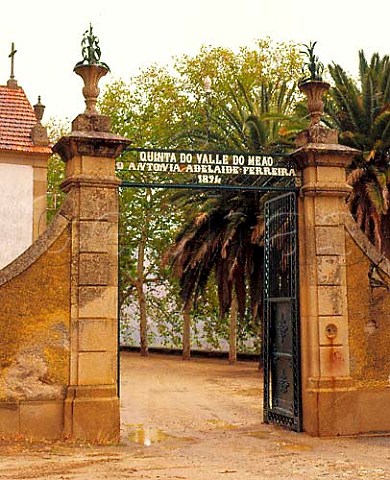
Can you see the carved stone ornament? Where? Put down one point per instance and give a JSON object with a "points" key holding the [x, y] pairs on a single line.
{"points": [[91, 74], [38, 131], [91, 70], [316, 133], [314, 91]]}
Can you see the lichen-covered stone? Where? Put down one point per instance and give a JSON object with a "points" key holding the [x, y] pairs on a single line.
{"points": [[34, 326]]}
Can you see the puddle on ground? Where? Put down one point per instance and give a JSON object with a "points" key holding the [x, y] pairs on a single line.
{"points": [[147, 436]]}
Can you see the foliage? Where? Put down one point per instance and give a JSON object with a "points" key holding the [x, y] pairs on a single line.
{"points": [[90, 49], [245, 85], [223, 237], [164, 316], [55, 170], [313, 68], [361, 112], [146, 224], [223, 234]]}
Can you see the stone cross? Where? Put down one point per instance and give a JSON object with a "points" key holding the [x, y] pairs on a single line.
{"points": [[11, 56]]}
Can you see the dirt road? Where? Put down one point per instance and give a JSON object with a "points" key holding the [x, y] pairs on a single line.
{"points": [[197, 420]]}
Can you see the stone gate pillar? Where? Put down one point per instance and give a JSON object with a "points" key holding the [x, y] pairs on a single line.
{"points": [[326, 381], [92, 403]]}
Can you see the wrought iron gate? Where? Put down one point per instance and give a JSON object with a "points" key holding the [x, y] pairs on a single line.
{"points": [[281, 339]]}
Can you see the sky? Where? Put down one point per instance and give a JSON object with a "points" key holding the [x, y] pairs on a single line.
{"points": [[135, 34]]}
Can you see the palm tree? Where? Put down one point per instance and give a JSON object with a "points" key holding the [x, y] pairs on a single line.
{"points": [[361, 112], [261, 120], [223, 236]]}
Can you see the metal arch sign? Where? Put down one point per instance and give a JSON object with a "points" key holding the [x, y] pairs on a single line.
{"points": [[164, 168]]}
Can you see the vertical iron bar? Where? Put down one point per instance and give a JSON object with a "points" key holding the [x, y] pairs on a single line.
{"points": [[118, 306]]}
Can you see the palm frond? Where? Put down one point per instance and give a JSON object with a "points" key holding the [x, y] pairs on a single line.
{"points": [[355, 176]]}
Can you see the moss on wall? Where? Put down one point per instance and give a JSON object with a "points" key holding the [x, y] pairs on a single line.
{"points": [[34, 327]]}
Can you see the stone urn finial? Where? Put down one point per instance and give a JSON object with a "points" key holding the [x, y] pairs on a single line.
{"points": [[39, 109], [314, 91], [38, 131], [312, 85], [91, 70]]}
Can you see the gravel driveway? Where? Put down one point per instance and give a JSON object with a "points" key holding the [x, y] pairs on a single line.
{"points": [[197, 420]]}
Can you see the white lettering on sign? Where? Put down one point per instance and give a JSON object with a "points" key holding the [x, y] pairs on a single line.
{"points": [[185, 158], [209, 179], [154, 167], [260, 161], [157, 156], [207, 166], [214, 159]]}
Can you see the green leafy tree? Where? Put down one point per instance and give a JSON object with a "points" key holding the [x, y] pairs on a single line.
{"points": [[254, 84], [144, 233], [146, 112], [55, 169]]}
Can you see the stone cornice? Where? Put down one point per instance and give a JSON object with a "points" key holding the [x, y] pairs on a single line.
{"points": [[91, 143], [323, 155]]}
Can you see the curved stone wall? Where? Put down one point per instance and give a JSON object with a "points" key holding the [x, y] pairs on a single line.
{"points": [[34, 335]]}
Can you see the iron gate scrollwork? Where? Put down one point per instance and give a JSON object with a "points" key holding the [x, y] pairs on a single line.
{"points": [[281, 339]]}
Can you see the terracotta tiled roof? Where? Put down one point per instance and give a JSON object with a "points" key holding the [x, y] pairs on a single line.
{"points": [[17, 117]]}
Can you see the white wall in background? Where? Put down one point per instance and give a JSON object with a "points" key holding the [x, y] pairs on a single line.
{"points": [[16, 210]]}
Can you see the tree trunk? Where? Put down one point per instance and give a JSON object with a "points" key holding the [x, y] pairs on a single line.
{"points": [[186, 334], [143, 326], [233, 330]]}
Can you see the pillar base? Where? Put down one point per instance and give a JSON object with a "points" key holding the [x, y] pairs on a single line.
{"points": [[342, 407], [92, 414]]}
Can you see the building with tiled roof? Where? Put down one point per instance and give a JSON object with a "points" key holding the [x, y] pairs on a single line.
{"points": [[24, 153], [17, 122]]}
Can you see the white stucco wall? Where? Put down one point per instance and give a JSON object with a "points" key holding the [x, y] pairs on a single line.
{"points": [[16, 210]]}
